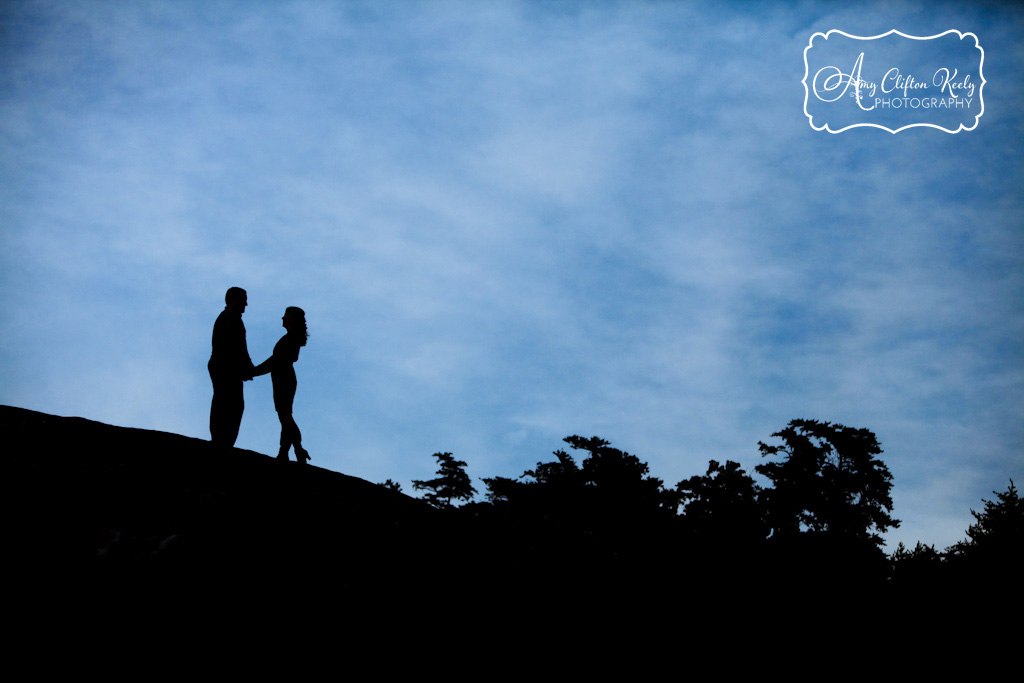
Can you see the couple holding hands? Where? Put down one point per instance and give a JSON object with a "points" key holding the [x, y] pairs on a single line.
{"points": [[230, 365]]}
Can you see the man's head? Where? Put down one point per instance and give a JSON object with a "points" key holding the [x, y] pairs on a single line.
{"points": [[236, 299]]}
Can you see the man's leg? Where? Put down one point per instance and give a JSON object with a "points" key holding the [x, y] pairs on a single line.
{"points": [[226, 412]]}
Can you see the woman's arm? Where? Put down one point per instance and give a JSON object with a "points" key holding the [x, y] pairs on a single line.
{"points": [[284, 354], [264, 367]]}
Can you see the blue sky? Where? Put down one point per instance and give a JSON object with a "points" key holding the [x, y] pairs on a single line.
{"points": [[510, 222]]}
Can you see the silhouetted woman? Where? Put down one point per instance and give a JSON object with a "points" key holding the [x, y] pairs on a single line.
{"points": [[279, 365]]}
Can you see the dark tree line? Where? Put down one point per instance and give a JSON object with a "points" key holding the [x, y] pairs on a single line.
{"points": [[991, 556], [827, 503]]}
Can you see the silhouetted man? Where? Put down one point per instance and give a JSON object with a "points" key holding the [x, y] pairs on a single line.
{"points": [[229, 366]]}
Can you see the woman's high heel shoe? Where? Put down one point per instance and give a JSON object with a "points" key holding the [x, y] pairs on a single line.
{"points": [[301, 455]]}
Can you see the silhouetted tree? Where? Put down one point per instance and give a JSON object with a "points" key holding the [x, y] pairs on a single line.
{"points": [[983, 566], [921, 553], [610, 483], [393, 485], [997, 536], [563, 476], [452, 483], [917, 569], [829, 481], [501, 489], [546, 503], [617, 474], [607, 506], [606, 472], [723, 505]]}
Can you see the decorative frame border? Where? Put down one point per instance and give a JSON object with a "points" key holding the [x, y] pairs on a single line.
{"points": [[981, 74]]}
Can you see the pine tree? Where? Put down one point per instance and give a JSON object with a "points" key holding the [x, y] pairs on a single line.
{"points": [[452, 483], [998, 532]]}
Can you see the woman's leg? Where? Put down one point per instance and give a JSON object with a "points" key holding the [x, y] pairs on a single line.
{"points": [[283, 397], [290, 435], [301, 455]]}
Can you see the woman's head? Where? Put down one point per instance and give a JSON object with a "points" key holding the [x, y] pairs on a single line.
{"points": [[294, 320]]}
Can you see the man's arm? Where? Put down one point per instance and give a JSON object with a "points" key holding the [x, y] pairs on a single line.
{"points": [[245, 361]]}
